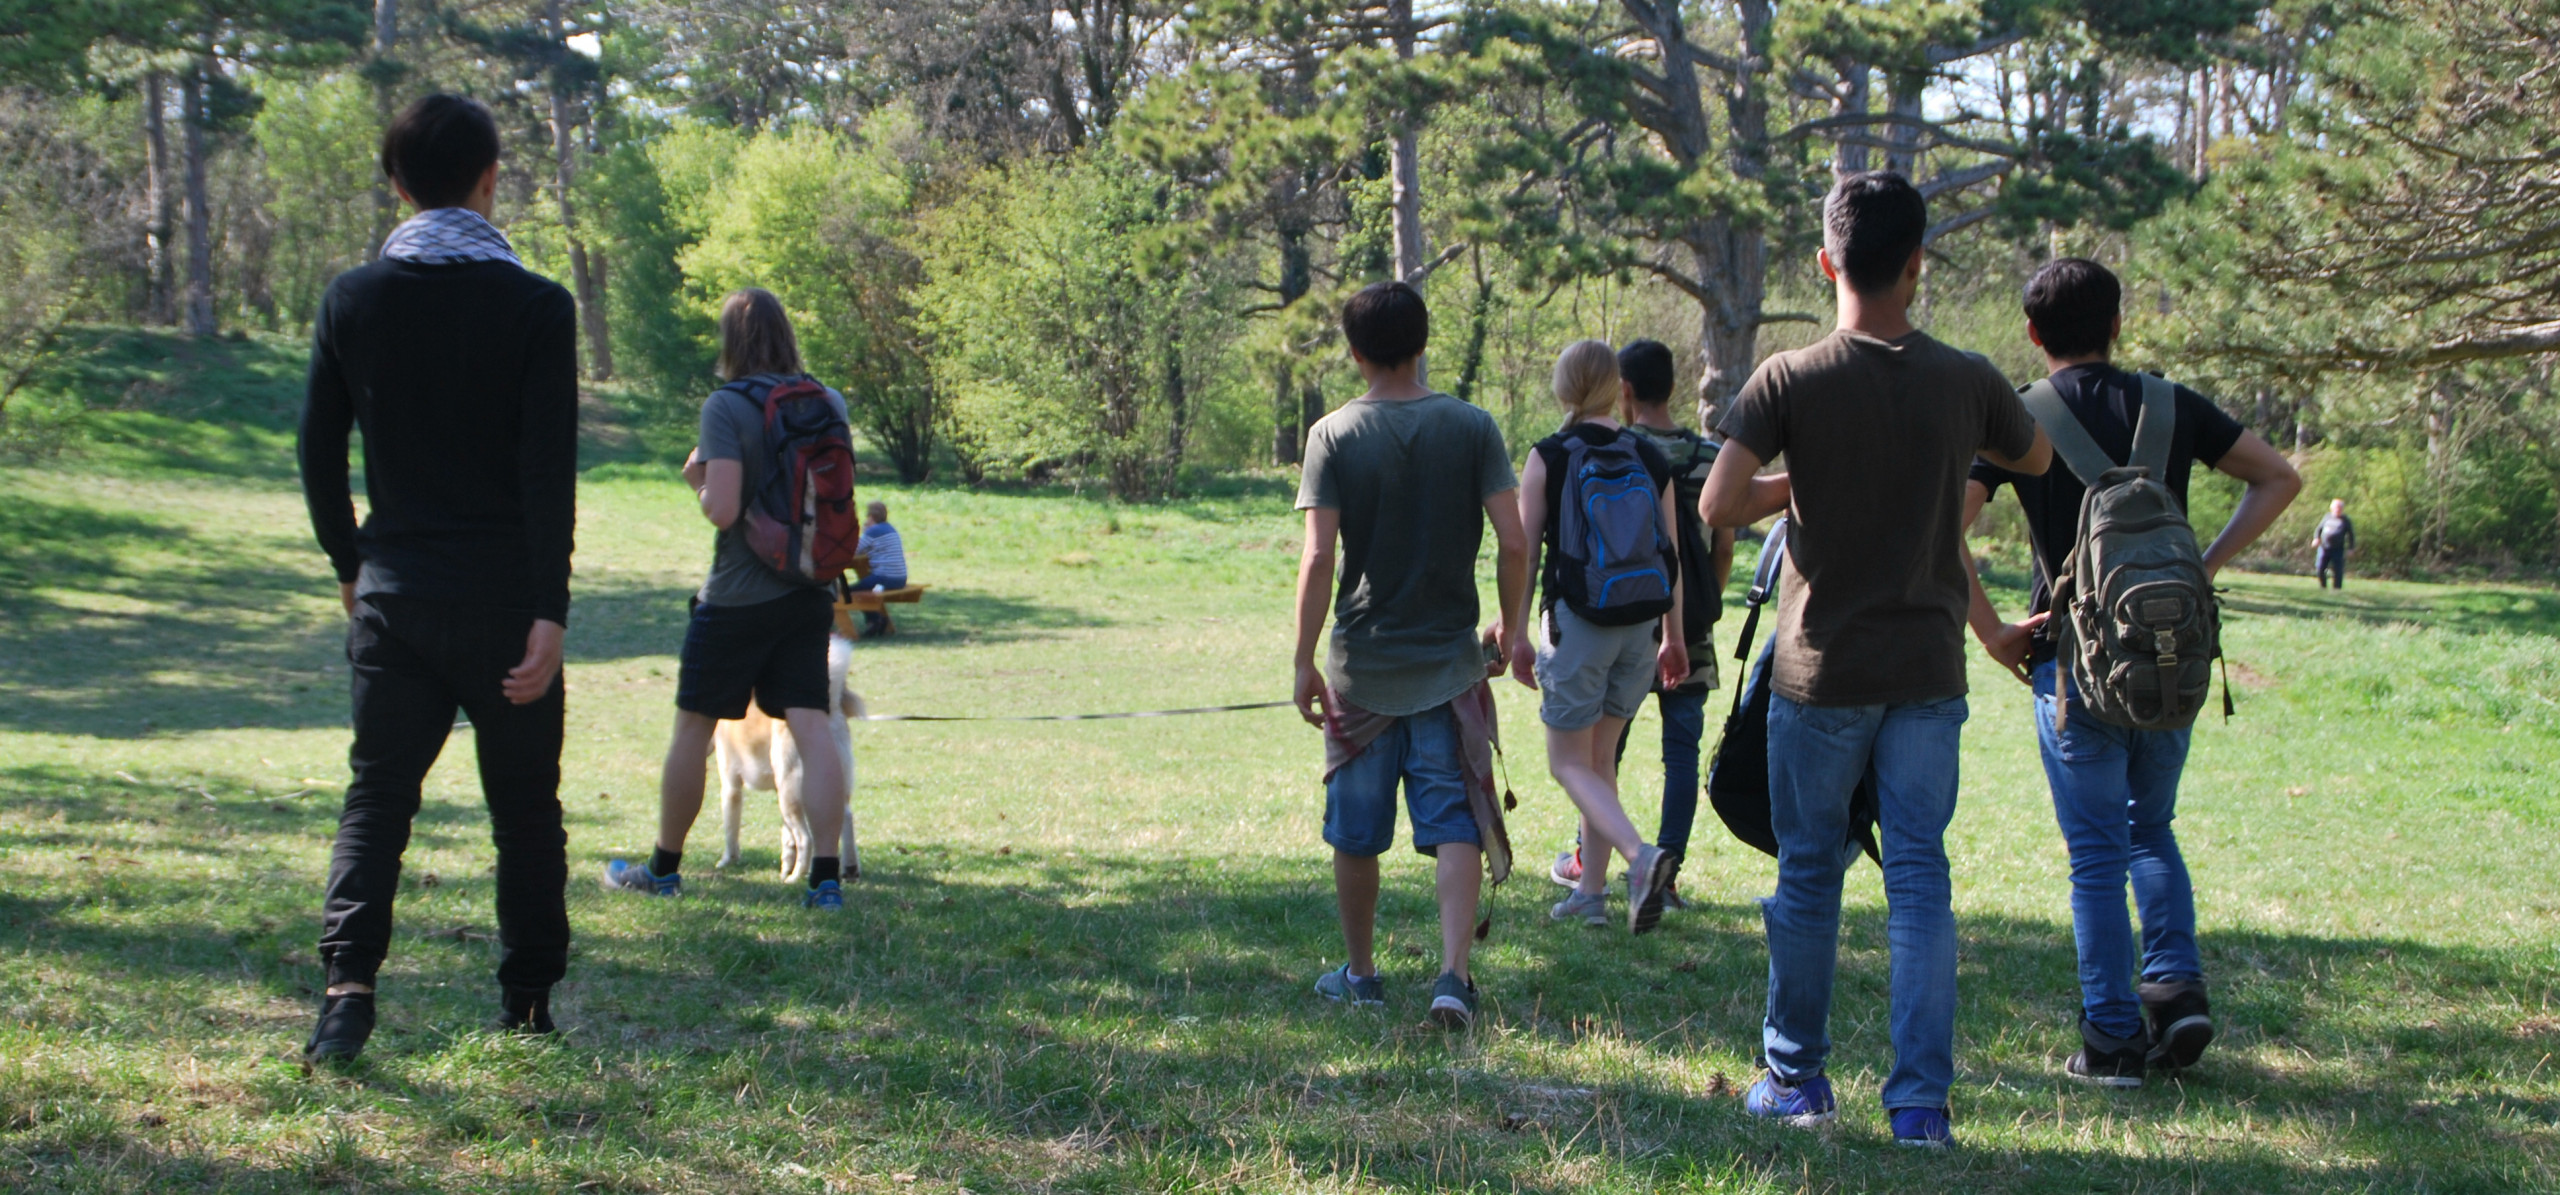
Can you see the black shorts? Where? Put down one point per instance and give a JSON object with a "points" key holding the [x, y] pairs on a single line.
{"points": [[775, 650]]}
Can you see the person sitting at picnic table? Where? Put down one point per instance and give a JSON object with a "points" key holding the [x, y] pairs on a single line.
{"points": [[888, 570]]}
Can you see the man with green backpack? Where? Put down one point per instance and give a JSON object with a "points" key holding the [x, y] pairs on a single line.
{"points": [[2118, 645]]}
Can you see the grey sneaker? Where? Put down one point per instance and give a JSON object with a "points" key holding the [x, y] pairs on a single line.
{"points": [[1591, 908], [1359, 991], [1453, 1001], [1648, 882]]}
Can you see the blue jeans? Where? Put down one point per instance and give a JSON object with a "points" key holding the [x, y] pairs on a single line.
{"points": [[2115, 791], [1423, 752], [1684, 723], [1816, 755], [874, 621]]}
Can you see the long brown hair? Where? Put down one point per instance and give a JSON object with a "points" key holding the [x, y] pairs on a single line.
{"points": [[755, 335]]}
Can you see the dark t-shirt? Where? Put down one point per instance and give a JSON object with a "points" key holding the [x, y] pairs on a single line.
{"points": [[1552, 451], [2106, 400], [2337, 532], [1876, 435], [1410, 478]]}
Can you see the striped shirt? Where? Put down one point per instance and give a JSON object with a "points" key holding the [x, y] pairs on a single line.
{"points": [[888, 553]]}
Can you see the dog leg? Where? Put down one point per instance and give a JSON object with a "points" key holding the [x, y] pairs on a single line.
{"points": [[850, 851], [797, 856], [733, 794]]}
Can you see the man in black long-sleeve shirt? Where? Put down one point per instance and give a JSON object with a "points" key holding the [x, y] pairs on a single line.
{"points": [[461, 368]]}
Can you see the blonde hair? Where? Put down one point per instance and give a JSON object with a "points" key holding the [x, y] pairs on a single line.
{"points": [[1586, 380], [755, 336]]}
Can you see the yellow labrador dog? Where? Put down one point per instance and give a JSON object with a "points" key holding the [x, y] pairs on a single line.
{"points": [[759, 751]]}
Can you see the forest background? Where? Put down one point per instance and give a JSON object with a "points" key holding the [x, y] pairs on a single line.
{"points": [[1098, 243]]}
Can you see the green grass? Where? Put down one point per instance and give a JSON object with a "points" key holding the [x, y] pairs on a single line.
{"points": [[1080, 955]]}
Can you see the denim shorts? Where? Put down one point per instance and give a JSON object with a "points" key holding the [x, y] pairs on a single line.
{"points": [[1421, 750], [1589, 670], [774, 651]]}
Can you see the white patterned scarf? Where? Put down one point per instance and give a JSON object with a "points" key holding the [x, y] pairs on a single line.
{"points": [[447, 235]]}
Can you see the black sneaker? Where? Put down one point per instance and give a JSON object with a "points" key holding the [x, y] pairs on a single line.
{"points": [[1453, 1001], [2181, 1021], [2107, 1061], [527, 1014], [346, 1023]]}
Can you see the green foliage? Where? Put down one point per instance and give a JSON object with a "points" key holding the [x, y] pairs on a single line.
{"points": [[318, 143], [819, 220], [1062, 342], [662, 341]]}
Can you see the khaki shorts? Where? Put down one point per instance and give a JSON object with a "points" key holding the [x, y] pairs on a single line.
{"points": [[1586, 670]]}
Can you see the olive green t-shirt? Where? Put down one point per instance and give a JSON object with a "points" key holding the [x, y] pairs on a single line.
{"points": [[1410, 477], [1878, 436]]}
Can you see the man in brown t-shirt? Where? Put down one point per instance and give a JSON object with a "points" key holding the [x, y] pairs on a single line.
{"points": [[1878, 424]]}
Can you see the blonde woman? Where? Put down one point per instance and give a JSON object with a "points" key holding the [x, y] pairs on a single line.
{"points": [[1596, 503]]}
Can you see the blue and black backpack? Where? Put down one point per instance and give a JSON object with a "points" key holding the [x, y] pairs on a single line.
{"points": [[1612, 562]]}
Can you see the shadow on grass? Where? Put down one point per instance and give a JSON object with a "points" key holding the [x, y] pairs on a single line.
{"points": [[2475, 609], [616, 623], [1154, 1013], [89, 645]]}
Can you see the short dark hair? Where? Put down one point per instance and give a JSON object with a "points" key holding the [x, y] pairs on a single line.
{"points": [[2072, 303], [439, 147], [1647, 366], [1386, 323], [1872, 222]]}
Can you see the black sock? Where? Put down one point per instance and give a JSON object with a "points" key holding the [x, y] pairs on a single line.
{"points": [[825, 868], [664, 862]]}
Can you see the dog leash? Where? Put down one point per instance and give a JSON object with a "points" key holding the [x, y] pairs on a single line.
{"points": [[1201, 709]]}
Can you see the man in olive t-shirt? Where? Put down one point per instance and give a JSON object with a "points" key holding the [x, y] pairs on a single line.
{"points": [[1878, 424], [1406, 479]]}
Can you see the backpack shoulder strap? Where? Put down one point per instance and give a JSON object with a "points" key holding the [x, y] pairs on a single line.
{"points": [[2152, 429], [2079, 450]]}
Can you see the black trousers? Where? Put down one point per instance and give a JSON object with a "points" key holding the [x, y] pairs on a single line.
{"points": [[417, 661], [2332, 565]]}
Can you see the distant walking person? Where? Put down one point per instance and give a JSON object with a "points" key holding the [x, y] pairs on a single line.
{"points": [[461, 369], [1878, 423], [755, 633], [1405, 479], [1596, 501], [888, 553], [2335, 538], [2115, 788]]}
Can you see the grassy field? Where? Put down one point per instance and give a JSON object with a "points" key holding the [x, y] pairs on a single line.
{"points": [[1079, 957]]}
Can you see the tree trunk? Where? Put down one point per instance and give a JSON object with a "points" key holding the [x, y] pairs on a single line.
{"points": [[1849, 153], [1284, 414], [1177, 405], [1407, 172], [1733, 262], [161, 307], [199, 314], [589, 286], [1903, 100], [386, 32]]}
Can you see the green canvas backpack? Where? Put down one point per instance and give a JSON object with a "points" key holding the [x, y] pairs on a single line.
{"points": [[2135, 621]]}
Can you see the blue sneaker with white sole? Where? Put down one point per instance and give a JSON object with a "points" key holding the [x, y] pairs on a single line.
{"points": [[1804, 1105], [828, 896], [1922, 1128], [622, 875]]}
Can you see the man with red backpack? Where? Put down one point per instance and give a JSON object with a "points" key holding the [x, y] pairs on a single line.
{"points": [[774, 473]]}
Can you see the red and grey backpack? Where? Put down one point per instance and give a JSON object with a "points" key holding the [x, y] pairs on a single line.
{"points": [[802, 521]]}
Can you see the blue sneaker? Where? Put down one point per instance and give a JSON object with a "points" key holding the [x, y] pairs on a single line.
{"points": [[1804, 1105], [1359, 991], [1922, 1128], [827, 896], [625, 876]]}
